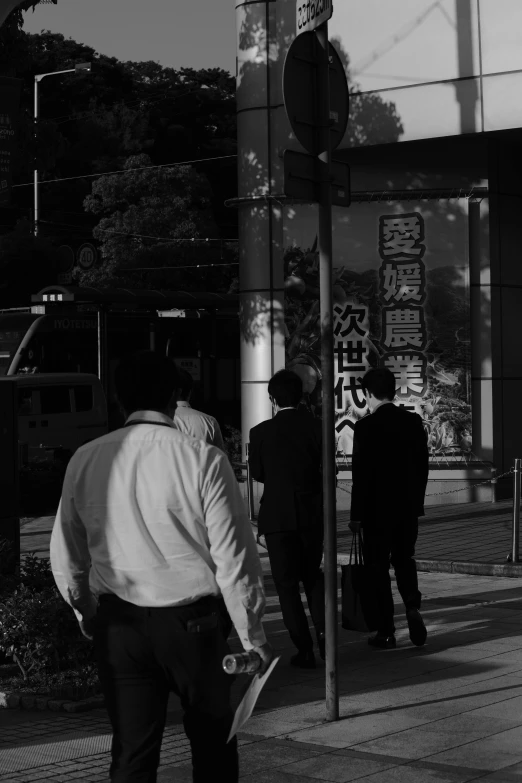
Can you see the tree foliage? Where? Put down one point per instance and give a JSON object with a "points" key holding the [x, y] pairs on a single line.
{"points": [[96, 122], [151, 219]]}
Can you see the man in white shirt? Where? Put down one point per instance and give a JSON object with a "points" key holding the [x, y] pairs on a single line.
{"points": [[191, 421], [151, 530]]}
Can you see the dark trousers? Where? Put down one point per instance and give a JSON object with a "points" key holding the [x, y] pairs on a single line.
{"points": [[295, 557], [142, 655], [393, 543]]}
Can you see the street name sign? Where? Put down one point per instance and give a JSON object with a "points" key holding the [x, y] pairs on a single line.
{"points": [[309, 14]]}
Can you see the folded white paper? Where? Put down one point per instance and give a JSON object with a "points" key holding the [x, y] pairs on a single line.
{"points": [[248, 702]]}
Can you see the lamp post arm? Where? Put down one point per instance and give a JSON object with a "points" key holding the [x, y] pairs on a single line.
{"points": [[40, 76]]}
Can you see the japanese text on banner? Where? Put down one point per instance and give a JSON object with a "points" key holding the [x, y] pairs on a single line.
{"points": [[351, 349], [402, 290]]}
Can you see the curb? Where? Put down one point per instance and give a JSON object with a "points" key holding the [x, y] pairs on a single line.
{"points": [[28, 701], [513, 570]]}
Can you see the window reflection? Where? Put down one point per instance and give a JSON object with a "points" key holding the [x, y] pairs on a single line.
{"points": [[402, 42], [433, 110], [501, 110], [501, 35]]}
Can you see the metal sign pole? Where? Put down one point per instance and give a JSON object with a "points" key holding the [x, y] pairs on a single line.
{"points": [[327, 367]]}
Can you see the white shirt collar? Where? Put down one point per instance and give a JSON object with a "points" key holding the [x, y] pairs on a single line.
{"points": [[289, 408], [183, 404], [152, 416]]}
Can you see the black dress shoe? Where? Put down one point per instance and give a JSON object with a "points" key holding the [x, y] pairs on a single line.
{"points": [[321, 643], [303, 660], [418, 632], [383, 642]]}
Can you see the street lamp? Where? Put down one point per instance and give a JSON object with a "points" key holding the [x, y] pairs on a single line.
{"points": [[37, 79]]}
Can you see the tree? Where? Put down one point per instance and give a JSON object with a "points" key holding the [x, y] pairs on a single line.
{"points": [[12, 50], [91, 123], [372, 120], [147, 216]]}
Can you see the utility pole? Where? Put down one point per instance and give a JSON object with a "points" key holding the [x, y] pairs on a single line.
{"points": [[37, 79], [327, 369]]}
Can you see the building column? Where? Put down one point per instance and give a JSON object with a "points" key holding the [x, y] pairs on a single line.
{"points": [[481, 331], [260, 212]]}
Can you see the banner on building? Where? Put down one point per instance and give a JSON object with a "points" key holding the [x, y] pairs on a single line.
{"points": [[9, 103], [401, 300]]}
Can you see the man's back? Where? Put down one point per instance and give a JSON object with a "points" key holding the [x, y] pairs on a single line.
{"points": [[144, 496], [285, 454], [390, 465], [198, 424]]}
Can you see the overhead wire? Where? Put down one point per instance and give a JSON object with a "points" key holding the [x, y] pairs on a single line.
{"points": [[400, 36], [124, 171], [166, 240]]}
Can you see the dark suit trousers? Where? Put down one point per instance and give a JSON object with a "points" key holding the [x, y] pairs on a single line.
{"points": [[395, 543], [143, 654], [295, 557]]}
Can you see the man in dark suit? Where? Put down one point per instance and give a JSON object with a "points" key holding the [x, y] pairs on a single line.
{"points": [[390, 474], [285, 455]]}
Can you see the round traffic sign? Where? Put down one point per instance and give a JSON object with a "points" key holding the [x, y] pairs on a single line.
{"points": [[86, 256], [301, 97]]}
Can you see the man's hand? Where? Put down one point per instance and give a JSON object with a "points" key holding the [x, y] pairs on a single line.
{"points": [[355, 527], [266, 654]]}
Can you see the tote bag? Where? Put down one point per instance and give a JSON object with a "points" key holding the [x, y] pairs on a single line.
{"points": [[358, 596]]}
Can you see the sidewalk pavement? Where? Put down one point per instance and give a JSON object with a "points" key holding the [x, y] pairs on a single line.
{"points": [[450, 711], [472, 532]]}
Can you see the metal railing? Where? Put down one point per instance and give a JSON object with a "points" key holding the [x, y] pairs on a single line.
{"points": [[515, 542], [516, 471]]}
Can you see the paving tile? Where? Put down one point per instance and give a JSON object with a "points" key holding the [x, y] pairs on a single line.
{"points": [[339, 769], [410, 774], [511, 774], [274, 776], [264, 755], [175, 774], [510, 707], [267, 726], [415, 743], [472, 725], [349, 732], [491, 753]]}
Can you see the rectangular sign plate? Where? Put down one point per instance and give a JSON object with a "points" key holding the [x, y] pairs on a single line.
{"points": [[303, 172], [309, 14]]}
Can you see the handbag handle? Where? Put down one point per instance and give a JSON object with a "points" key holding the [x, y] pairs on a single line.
{"points": [[356, 549]]}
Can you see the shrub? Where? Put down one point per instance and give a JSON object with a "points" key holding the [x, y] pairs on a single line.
{"points": [[40, 632], [232, 440], [37, 628], [69, 684]]}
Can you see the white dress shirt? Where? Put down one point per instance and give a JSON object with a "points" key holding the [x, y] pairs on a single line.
{"points": [[156, 518], [197, 424]]}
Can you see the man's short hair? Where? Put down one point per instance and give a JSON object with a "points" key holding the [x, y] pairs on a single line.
{"points": [[380, 382], [145, 381], [186, 384], [286, 388]]}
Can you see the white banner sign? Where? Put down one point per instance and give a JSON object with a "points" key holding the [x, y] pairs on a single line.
{"points": [[311, 13]]}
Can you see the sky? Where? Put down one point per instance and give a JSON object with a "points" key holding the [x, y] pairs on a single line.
{"points": [[392, 45], [176, 33]]}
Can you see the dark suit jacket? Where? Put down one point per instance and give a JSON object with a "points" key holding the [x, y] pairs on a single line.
{"points": [[389, 466], [285, 455]]}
